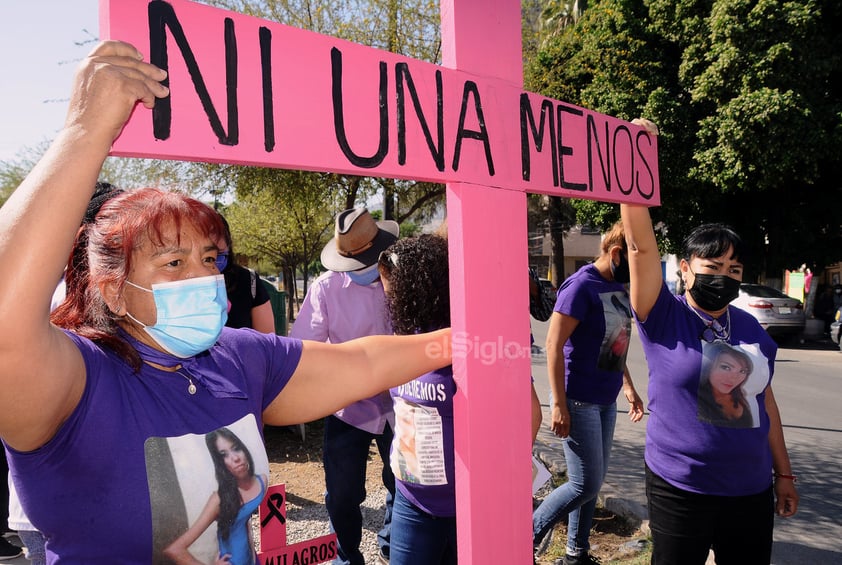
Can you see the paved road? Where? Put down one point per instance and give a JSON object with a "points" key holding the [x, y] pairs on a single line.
{"points": [[808, 388]]}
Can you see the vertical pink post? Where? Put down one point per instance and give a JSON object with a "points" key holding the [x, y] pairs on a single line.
{"points": [[489, 301]]}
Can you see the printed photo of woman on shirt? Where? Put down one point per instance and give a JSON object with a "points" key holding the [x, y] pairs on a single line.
{"points": [[730, 380], [615, 343], [204, 491]]}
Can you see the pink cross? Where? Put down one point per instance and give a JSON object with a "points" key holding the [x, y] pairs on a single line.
{"points": [[254, 92]]}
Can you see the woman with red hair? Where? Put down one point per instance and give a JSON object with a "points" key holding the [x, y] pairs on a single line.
{"points": [[138, 355]]}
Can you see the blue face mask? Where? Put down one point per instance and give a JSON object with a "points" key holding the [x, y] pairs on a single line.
{"points": [[190, 314], [365, 277]]}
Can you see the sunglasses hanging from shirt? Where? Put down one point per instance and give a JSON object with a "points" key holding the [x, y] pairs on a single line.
{"points": [[714, 331]]}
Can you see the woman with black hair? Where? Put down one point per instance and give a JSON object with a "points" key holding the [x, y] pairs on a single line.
{"points": [[708, 485], [248, 300], [238, 497]]}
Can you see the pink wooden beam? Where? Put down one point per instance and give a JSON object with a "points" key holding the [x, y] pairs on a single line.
{"points": [[253, 92], [489, 300]]}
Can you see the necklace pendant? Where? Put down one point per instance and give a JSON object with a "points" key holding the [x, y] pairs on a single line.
{"points": [[192, 388]]}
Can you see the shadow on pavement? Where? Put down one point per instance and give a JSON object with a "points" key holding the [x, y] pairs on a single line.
{"points": [[786, 553], [811, 344]]}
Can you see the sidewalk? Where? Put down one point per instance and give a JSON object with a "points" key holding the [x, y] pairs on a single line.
{"points": [[623, 491]]}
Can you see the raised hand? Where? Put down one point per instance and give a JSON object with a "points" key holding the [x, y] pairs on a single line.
{"points": [[108, 84]]}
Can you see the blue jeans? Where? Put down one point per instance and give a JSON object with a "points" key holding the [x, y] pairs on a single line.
{"points": [[586, 450], [345, 456], [419, 538], [34, 542]]}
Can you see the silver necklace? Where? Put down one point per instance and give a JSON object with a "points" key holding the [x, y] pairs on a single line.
{"points": [[191, 388], [713, 329]]}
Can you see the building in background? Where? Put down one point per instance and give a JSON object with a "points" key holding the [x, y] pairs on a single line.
{"points": [[581, 246]]}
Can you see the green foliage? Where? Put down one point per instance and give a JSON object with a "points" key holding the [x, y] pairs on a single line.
{"points": [[283, 217], [11, 175], [604, 61], [292, 232], [746, 94], [408, 27], [119, 171], [129, 173], [13, 171], [410, 229]]}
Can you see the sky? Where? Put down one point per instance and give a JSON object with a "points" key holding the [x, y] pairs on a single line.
{"points": [[39, 52]]}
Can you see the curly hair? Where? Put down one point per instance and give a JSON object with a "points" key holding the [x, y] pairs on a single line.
{"points": [[416, 271]]}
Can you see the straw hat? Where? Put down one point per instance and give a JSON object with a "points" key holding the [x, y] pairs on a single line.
{"points": [[358, 240]]}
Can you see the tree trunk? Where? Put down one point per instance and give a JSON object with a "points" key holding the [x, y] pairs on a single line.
{"points": [[289, 287], [389, 199], [557, 223]]}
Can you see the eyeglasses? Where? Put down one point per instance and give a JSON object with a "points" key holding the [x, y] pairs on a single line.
{"points": [[222, 260], [388, 259]]}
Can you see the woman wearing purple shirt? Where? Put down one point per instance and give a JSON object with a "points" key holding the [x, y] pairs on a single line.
{"points": [[709, 485], [587, 345], [137, 355], [415, 276]]}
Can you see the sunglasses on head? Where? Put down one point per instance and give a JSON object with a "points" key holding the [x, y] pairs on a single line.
{"points": [[388, 259]]}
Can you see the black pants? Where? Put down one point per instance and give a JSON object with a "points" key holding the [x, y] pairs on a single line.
{"points": [[686, 525], [345, 457]]}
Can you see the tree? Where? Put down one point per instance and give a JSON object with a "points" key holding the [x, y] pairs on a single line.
{"points": [[119, 171], [767, 139], [745, 93], [408, 27], [542, 24], [283, 217], [12, 174]]}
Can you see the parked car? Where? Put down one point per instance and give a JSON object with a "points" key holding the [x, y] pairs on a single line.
{"points": [[547, 286], [836, 329], [542, 296], [780, 315]]}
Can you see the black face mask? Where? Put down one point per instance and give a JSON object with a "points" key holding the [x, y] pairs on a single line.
{"points": [[714, 292], [621, 272]]}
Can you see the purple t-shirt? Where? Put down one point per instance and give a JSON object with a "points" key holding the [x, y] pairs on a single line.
{"points": [[422, 450], [686, 444], [595, 354], [114, 485]]}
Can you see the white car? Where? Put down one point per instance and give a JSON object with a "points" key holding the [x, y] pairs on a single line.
{"points": [[836, 329], [780, 315]]}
